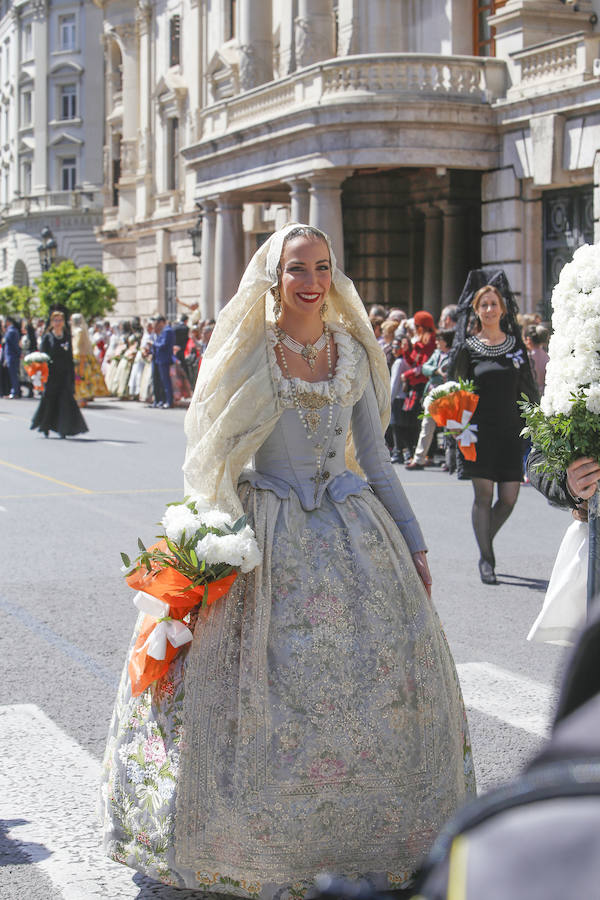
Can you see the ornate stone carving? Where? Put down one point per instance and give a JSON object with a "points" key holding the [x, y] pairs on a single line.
{"points": [[126, 33], [313, 43], [128, 156], [39, 9], [143, 16], [253, 70]]}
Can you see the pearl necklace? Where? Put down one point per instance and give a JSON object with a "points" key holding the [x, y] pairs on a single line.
{"points": [[493, 350], [311, 421], [308, 352]]}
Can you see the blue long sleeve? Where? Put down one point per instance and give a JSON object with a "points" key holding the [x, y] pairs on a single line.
{"points": [[374, 459]]}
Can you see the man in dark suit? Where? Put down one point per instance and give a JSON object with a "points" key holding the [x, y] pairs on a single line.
{"points": [[12, 356], [162, 355]]}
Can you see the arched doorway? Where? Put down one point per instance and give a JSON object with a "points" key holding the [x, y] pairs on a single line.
{"points": [[20, 274]]}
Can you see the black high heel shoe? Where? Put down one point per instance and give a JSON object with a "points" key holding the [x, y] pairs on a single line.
{"points": [[486, 572]]}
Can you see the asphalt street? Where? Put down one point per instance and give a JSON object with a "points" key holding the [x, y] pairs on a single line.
{"points": [[67, 508]]}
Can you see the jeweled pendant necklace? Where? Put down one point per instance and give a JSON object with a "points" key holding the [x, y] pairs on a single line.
{"points": [[308, 352], [312, 402]]}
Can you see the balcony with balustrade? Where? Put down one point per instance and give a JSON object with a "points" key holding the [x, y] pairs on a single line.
{"points": [[387, 109]]}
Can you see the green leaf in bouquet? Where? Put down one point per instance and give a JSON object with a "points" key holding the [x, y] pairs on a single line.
{"points": [[240, 524], [194, 557], [126, 560], [141, 544]]}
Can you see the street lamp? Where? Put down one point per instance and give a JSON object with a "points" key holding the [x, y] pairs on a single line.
{"points": [[196, 235], [47, 249]]}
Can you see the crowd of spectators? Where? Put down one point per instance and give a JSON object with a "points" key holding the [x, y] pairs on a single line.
{"points": [[154, 361]]}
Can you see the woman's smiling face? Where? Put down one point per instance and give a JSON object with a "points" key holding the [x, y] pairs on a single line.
{"points": [[305, 274], [489, 309]]}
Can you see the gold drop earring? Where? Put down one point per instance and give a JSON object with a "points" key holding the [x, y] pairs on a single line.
{"points": [[323, 310], [276, 301]]}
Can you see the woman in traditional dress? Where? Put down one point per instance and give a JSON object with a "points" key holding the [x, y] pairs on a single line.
{"points": [[494, 357], [89, 382], [316, 721], [58, 410]]}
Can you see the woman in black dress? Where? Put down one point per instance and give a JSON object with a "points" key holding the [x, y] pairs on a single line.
{"points": [[58, 410], [494, 358]]}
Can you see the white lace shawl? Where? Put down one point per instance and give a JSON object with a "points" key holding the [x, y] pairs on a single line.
{"points": [[236, 402]]}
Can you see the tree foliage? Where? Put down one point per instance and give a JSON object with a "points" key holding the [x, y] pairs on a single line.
{"points": [[84, 290], [17, 301]]}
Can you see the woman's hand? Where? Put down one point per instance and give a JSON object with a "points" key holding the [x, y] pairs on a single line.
{"points": [[420, 561], [583, 476]]}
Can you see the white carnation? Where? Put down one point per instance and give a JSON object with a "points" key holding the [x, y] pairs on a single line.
{"points": [[593, 399], [214, 518], [239, 550], [178, 519]]}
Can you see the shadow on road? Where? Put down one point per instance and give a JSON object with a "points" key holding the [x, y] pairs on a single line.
{"points": [[90, 440], [18, 853], [154, 890], [534, 584]]}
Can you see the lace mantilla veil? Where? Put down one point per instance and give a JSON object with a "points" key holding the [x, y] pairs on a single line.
{"points": [[235, 404]]}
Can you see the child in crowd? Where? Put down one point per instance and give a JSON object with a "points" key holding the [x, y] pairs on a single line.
{"points": [[436, 369]]}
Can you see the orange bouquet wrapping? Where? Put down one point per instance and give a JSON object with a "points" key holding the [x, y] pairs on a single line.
{"points": [[452, 406], [194, 564], [36, 366]]}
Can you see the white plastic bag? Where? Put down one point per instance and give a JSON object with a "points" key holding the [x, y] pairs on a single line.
{"points": [[564, 609]]}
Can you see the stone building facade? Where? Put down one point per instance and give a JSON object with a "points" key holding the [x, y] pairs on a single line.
{"points": [[425, 136], [51, 133]]}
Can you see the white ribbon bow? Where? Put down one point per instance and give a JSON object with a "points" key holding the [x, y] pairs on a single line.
{"points": [[166, 629], [467, 434]]}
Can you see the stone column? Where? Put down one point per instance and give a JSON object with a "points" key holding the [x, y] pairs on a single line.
{"points": [[255, 42], [300, 200], [127, 184], [144, 141], [314, 31], [415, 259], [455, 267], [326, 207], [40, 181], [207, 260], [432, 259], [229, 249]]}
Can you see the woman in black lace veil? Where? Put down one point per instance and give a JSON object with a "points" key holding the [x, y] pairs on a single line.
{"points": [[488, 349]]}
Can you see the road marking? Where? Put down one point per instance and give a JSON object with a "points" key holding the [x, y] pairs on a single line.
{"points": [[515, 699], [74, 487], [70, 650], [171, 491], [50, 791]]}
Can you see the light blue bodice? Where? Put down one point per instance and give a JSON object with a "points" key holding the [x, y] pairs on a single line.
{"points": [[287, 461]]}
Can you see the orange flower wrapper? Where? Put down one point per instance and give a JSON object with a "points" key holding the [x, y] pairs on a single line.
{"points": [[454, 412], [168, 586], [32, 370]]}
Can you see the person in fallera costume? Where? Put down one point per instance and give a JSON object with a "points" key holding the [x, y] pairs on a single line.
{"points": [[58, 410], [316, 719], [488, 349], [89, 381]]}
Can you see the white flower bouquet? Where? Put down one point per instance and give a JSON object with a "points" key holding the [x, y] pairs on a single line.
{"points": [[36, 357], [36, 365], [196, 560], [565, 424]]}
